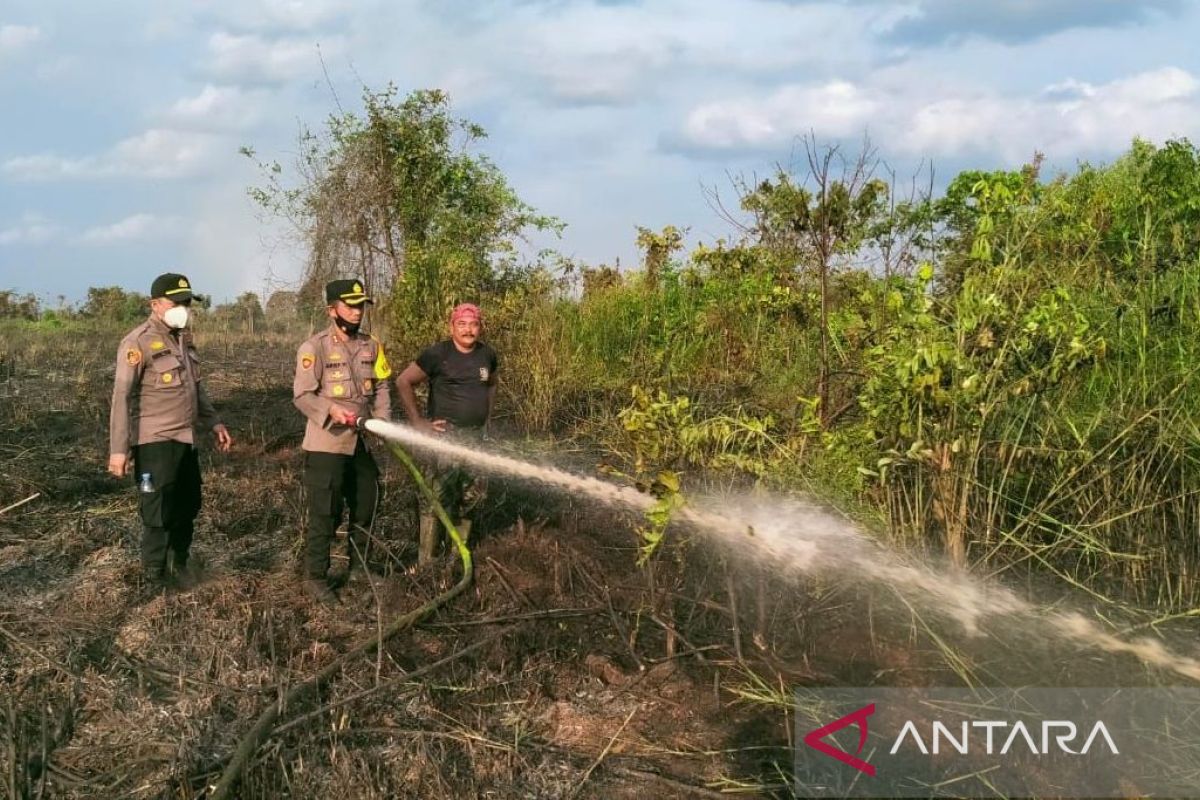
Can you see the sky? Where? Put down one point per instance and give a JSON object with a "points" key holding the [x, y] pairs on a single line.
{"points": [[122, 121]]}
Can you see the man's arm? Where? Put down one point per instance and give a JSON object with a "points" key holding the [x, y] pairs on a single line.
{"points": [[206, 415], [491, 397], [410, 377], [306, 384], [128, 376], [405, 381], [209, 420], [493, 382]]}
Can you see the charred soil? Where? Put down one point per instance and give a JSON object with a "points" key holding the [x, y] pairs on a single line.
{"points": [[556, 674]]}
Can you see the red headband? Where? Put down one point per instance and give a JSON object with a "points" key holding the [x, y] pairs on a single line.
{"points": [[465, 311]]}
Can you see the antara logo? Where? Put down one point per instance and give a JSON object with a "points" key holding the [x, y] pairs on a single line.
{"points": [[1063, 732], [815, 739], [1057, 735]]}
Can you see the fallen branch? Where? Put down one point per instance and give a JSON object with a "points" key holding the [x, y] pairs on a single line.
{"points": [[407, 677], [560, 613], [521, 599], [265, 725], [688, 789], [612, 615], [20, 503], [588, 772]]}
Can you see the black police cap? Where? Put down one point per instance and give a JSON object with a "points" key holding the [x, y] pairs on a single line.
{"points": [[172, 286], [349, 290]]}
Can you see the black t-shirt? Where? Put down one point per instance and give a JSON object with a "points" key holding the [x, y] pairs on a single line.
{"points": [[458, 382]]}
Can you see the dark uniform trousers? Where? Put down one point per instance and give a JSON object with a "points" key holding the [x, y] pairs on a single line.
{"points": [[169, 512], [333, 482], [457, 490]]}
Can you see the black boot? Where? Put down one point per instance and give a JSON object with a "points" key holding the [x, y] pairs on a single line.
{"points": [[154, 578], [184, 571], [319, 591]]}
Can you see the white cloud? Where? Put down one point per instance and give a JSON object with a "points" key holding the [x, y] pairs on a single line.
{"points": [[32, 229], [134, 228], [580, 52], [164, 153], [17, 37], [228, 249], [155, 153], [935, 21], [837, 108], [918, 117], [219, 108], [254, 59], [300, 15], [1093, 119]]}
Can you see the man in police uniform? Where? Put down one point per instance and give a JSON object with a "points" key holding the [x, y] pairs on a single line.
{"points": [[158, 402], [341, 378], [462, 375]]}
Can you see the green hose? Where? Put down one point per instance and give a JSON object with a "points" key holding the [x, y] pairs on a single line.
{"points": [[463, 552]]}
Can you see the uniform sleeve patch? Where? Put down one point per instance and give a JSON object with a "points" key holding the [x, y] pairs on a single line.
{"points": [[133, 356], [307, 360], [383, 370]]}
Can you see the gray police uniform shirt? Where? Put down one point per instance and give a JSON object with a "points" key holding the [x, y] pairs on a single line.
{"points": [[349, 372], [157, 393]]}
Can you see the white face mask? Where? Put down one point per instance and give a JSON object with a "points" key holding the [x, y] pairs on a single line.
{"points": [[176, 317]]}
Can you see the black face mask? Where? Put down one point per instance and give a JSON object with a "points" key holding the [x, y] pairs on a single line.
{"points": [[348, 328]]}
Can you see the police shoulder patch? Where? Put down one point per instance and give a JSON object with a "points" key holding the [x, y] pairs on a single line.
{"points": [[307, 360], [133, 356], [383, 370]]}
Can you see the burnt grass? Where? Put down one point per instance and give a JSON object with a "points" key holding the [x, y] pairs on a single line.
{"points": [[108, 689]]}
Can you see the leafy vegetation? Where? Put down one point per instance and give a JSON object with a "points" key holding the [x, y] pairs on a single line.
{"points": [[1003, 372]]}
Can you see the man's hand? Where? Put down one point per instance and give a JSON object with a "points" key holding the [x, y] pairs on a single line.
{"points": [[430, 427], [118, 465], [224, 440], [342, 416]]}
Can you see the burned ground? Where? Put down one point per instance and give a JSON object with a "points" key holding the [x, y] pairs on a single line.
{"points": [[113, 691], [557, 673]]}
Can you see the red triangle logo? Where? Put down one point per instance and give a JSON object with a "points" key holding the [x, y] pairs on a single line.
{"points": [[816, 739]]}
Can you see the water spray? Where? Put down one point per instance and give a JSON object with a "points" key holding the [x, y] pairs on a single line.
{"points": [[805, 539]]}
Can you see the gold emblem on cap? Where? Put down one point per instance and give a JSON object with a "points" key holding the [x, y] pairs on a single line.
{"points": [[358, 288], [183, 283]]}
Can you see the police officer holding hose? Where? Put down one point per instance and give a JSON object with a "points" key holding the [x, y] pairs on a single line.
{"points": [[158, 403], [341, 379]]}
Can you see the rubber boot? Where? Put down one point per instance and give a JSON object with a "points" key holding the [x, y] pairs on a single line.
{"points": [[184, 571], [319, 591], [427, 546]]}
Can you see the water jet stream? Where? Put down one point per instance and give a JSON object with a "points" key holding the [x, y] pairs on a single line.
{"points": [[806, 539]]}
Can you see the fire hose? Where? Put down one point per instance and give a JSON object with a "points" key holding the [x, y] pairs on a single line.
{"points": [[267, 720]]}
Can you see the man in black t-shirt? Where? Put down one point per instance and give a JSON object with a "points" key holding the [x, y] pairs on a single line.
{"points": [[461, 372]]}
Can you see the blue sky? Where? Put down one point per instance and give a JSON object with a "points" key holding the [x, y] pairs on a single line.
{"points": [[122, 120]]}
